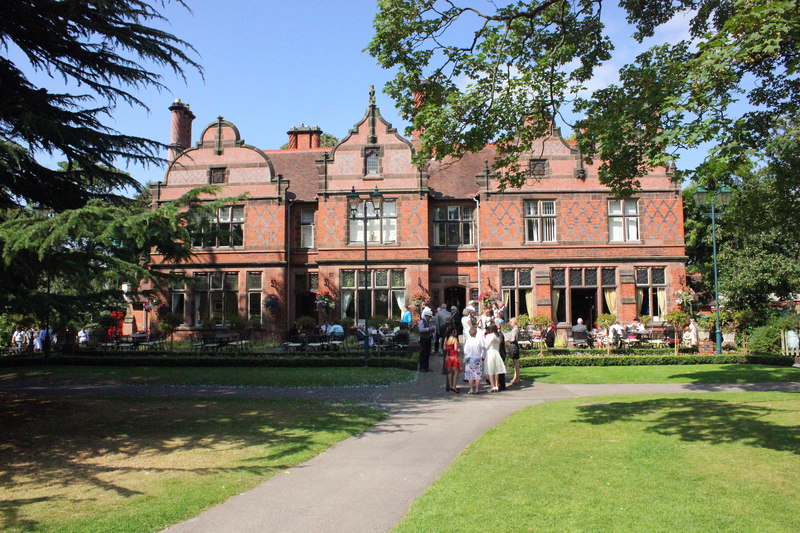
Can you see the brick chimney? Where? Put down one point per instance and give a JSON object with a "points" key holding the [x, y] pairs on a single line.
{"points": [[304, 137], [180, 137]]}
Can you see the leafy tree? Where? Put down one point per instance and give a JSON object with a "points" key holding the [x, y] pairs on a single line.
{"points": [[677, 319], [467, 77], [107, 48], [606, 320], [540, 322]]}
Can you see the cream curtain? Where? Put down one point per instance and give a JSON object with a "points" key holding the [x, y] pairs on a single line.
{"points": [[347, 297], [555, 296], [400, 298], [639, 300], [611, 300], [506, 297], [529, 301], [661, 296]]}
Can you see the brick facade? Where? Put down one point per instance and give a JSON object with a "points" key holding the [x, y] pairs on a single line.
{"points": [[297, 235]]}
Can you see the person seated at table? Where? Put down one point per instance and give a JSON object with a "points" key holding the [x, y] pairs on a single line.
{"points": [[336, 330], [636, 326], [325, 328], [615, 334], [583, 333], [669, 334], [402, 336]]}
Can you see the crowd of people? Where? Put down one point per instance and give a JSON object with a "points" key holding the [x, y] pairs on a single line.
{"points": [[470, 343], [32, 338]]}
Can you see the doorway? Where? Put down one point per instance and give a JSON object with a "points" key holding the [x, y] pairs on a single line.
{"points": [[305, 305], [584, 305], [457, 296]]}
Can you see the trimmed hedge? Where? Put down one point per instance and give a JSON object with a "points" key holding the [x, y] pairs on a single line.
{"points": [[321, 360], [636, 360]]}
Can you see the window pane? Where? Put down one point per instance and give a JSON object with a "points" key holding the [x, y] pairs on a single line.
{"points": [[642, 277], [356, 230], [440, 234], [201, 282], [576, 277], [237, 234], [178, 299], [558, 277], [615, 229], [525, 278], [440, 213], [453, 238], [361, 279], [609, 277], [466, 213], [300, 281], [659, 277], [374, 230], [254, 305], [349, 304], [373, 164], [348, 278], [548, 230], [631, 207], [306, 216], [507, 278], [238, 213], [364, 307], [306, 236], [231, 305], [389, 208], [532, 230], [390, 230], [632, 229], [313, 281], [466, 233], [254, 281], [382, 302], [216, 307], [381, 278], [224, 214], [216, 282], [396, 312], [548, 207], [531, 208], [452, 213], [370, 209], [231, 281], [590, 277], [398, 278], [201, 308]]}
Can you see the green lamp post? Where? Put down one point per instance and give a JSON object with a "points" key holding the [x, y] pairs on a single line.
{"points": [[719, 198], [365, 210]]}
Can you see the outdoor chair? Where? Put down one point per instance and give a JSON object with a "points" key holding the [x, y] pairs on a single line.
{"points": [[294, 343], [580, 339], [336, 340]]}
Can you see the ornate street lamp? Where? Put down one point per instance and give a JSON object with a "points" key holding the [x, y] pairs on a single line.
{"points": [[366, 210], [720, 198]]}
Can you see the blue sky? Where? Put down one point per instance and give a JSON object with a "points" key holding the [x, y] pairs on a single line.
{"points": [[273, 65]]}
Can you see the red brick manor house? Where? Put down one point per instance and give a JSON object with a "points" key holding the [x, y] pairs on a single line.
{"points": [[561, 245]]}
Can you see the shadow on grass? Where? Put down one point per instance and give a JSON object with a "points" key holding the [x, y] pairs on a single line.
{"points": [[699, 420], [742, 374], [74, 444]]}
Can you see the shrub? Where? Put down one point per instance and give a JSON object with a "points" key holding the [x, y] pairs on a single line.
{"points": [[378, 321], [523, 320], [305, 323], [766, 339], [637, 360]]}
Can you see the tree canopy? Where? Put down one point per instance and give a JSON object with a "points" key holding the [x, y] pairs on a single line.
{"points": [[468, 76], [106, 50]]}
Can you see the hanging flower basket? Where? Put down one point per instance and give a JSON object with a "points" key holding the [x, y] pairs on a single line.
{"points": [[272, 304], [419, 299], [488, 298], [325, 300]]}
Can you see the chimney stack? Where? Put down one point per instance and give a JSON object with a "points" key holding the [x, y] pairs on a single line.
{"points": [[304, 137], [181, 132]]}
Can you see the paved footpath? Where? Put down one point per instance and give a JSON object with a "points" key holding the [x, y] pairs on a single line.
{"points": [[366, 483]]}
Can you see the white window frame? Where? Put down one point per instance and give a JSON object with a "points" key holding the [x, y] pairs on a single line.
{"points": [[541, 221], [623, 220], [307, 228], [381, 230], [453, 216]]}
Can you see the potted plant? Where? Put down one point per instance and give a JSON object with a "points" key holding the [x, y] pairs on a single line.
{"points": [[272, 305], [678, 320], [305, 323], [606, 320], [540, 322], [523, 320]]}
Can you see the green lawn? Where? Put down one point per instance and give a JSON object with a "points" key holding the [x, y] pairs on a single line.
{"points": [[246, 376], [135, 465], [662, 374], [716, 462]]}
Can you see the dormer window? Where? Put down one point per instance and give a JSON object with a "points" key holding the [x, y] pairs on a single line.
{"points": [[372, 161]]}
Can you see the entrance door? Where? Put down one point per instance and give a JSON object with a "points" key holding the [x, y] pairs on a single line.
{"points": [[457, 296], [584, 305], [305, 305]]}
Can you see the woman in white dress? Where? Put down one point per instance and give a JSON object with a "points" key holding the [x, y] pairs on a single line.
{"points": [[493, 364], [473, 359]]}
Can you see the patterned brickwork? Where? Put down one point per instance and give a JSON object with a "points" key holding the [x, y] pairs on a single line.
{"points": [[330, 224], [581, 220], [662, 220], [264, 226]]}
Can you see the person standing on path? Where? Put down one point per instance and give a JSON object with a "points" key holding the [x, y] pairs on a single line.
{"points": [[468, 322], [426, 330], [513, 349], [494, 362], [473, 359], [452, 361], [442, 316], [406, 318]]}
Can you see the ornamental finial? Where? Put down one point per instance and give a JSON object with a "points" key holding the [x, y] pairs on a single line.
{"points": [[371, 95]]}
